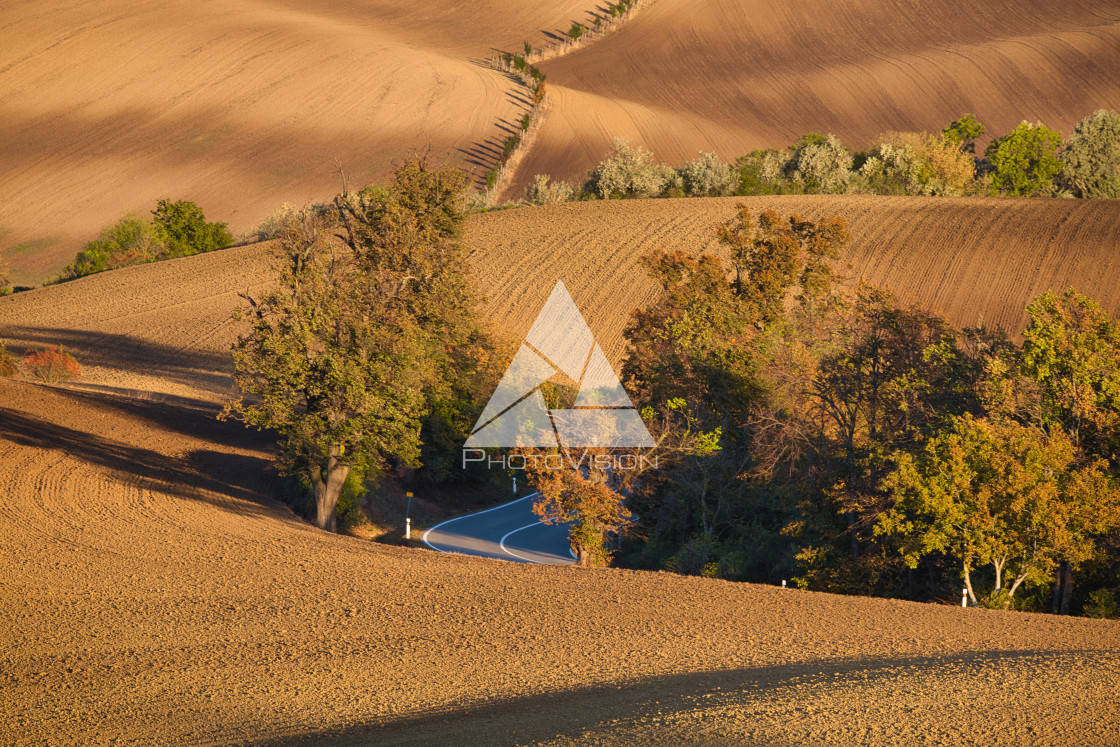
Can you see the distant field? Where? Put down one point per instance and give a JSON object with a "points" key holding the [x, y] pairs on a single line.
{"points": [[166, 327], [107, 106], [735, 75]]}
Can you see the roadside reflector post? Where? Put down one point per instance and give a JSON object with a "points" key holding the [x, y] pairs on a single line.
{"points": [[783, 583], [964, 597], [515, 484], [407, 519]]}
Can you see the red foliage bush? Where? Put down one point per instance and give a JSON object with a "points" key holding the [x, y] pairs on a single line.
{"points": [[52, 365]]}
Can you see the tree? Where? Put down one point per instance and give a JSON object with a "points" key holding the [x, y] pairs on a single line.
{"points": [[820, 163], [964, 132], [1091, 158], [708, 176], [1071, 352], [919, 164], [627, 171], [1025, 160], [1003, 495], [581, 496], [374, 318], [183, 229], [129, 241]]}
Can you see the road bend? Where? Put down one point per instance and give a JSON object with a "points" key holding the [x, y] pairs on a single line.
{"points": [[510, 531]]}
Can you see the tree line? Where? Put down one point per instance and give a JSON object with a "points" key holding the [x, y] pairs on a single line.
{"points": [[867, 446], [1031, 160]]}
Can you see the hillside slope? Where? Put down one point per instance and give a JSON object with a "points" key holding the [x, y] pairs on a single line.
{"points": [[166, 327], [107, 106], [734, 75], [153, 592]]}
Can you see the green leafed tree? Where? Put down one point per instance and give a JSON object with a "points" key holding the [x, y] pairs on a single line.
{"points": [[1025, 161], [129, 241], [964, 132], [374, 319], [1003, 495], [183, 229], [1091, 158]]}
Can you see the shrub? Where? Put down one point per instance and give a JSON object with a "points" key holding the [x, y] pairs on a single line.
{"points": [[1102, 604], [5, 280], [273, 226], [348, 510], [526, 120], [917, 163], [129, 241], [8, 367], [184, 230], [540, 192], [576, 31], [627, 171], [1091, 159], [820, 163], [1025, 160], [53, 365], [708, 176], [509, 145]]}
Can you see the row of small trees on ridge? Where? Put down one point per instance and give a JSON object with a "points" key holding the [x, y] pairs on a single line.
{"points": [[1031, 160]]}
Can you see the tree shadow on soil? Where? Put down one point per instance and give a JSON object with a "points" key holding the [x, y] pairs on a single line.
{"points": [[198, 476], [535, 718], [189, 367]]}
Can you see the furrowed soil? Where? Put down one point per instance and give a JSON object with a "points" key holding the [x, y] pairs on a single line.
{"points": [[155, 593], [164, 329], [731, 76], [108, 106]]}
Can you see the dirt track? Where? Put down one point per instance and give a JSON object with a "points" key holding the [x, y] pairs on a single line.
{"points": [[154, 594]]}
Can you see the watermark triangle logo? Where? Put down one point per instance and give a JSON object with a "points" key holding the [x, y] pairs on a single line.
{"points": [[602, 415]]}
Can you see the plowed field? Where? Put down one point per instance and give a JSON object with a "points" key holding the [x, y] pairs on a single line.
{"points": [[735, 75], [108, 106], [166, 327], [154, 594]]}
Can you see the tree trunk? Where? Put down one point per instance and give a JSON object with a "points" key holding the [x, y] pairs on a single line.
{"points": [[328, 488], [1067, 587], [968, 583], [1063, 588]]}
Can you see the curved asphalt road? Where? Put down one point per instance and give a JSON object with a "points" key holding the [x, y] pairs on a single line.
{"points": [[510, 531]]}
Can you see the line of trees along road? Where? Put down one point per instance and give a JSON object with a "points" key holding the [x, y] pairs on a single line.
{"points": [[867, 446]]}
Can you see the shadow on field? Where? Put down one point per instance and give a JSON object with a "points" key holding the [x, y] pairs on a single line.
{"points": [[572, 713], [187, 366], [235, 475]]}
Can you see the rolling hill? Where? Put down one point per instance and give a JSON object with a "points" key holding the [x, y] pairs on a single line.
{"points": [[165, 328], [108, 106], [733, 75]]}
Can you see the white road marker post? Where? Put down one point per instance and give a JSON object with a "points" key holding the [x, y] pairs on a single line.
{"points": [[964, 597], [783, 583], [407, 519], [515, 485]]}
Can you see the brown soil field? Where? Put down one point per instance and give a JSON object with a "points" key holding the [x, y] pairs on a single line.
{"points": [[107, 106], [733, 75], [165, 328], [154, 593]]}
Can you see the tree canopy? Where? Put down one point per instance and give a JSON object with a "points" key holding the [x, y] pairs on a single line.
{"points": [[374, 320]]}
